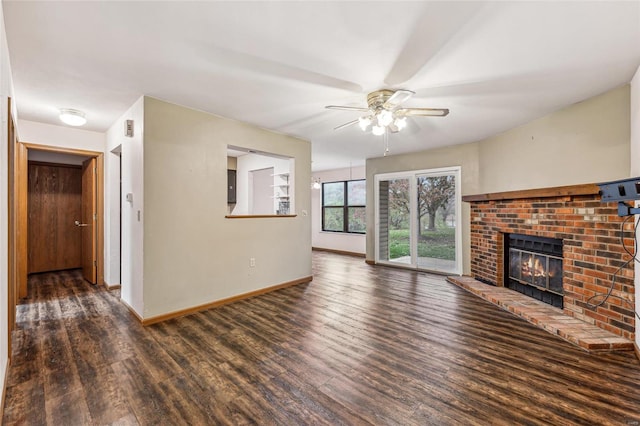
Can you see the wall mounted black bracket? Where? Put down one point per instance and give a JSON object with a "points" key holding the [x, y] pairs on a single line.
{"points": [[621, 191], [626, 210]]}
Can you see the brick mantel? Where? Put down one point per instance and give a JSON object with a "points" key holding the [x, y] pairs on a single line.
{"points": [[592, 249]]}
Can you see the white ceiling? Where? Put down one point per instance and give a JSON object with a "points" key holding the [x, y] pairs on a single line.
{"points": [[277, 64]]}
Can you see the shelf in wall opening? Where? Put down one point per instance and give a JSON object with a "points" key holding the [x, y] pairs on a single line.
{"points": [[281, 185], [280, 196], [281, 174]]}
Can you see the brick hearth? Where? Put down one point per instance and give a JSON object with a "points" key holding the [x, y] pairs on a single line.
{"points": [[585, 335], [592, 250]]}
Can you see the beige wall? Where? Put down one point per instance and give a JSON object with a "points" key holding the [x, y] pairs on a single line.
{"points": [[232, 163], [193, 255], [584, 143]]}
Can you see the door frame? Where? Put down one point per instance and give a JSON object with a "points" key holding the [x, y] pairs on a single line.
{"points": [[20, 209], [88, 215], [412, 175], [12, 290]]}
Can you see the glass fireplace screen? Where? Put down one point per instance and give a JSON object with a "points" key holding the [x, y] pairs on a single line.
{"points": [[540, 270]]}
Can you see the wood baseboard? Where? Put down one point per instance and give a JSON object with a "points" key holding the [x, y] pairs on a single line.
{"points": [[111, 286], [370, 262], [132, 311], [4, 387], [192, 310], [344, 252]]}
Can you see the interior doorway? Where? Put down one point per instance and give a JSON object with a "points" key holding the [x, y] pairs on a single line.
{"points": [[61, 213], [90, 222], [54, 241], [261, 185]]}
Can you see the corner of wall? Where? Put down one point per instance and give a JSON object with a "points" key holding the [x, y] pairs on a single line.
{"points": [[6, 91], [124, 160], [635, 171]]}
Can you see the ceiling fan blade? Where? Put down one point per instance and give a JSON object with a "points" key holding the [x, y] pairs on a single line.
{"points": [[432, 33], [397, 98], [232, 59], [428, 112], [347, 108], [342, 126]]}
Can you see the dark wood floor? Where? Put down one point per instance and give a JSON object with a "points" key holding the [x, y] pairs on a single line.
{"points": [[358, 345]]}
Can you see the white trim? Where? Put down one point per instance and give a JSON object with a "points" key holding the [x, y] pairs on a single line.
{"points": [[413, 224], [456, 171]]}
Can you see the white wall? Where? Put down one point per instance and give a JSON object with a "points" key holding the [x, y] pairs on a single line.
{"points": [[635, 172], [56, 157], [60, 136], [587, 142], [193, 254], [353, 243], [132, 151], [6, 90], [248, 163]]}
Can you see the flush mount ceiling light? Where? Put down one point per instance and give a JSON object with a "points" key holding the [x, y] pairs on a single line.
{"points": [[72, 117]]}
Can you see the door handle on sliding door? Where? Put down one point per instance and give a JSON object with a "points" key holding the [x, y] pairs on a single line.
{"points": [[77, 222]]}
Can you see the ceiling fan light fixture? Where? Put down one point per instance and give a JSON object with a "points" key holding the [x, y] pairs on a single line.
{"points": [[385, 118], [378, 130], [384, 113], [400, 123], [364, 122], [72, 117]]}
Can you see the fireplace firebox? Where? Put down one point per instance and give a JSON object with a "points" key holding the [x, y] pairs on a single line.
{"points": [[533, 266]]}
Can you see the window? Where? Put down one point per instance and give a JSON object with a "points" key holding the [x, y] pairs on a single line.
{"points": [[343, 206]]}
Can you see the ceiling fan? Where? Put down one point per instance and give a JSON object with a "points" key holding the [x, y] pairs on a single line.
{"points": [[384, 111]]}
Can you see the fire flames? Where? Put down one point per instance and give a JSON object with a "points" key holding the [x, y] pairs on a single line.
{"points": [[535, 268]]}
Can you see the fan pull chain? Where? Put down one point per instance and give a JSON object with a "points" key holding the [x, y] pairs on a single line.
{"points": [[386, 142]]}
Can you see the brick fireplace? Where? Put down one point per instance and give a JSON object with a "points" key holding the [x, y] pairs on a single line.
{"points": [[591, 248]]}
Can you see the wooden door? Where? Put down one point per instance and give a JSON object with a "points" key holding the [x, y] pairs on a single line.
{"points": [[88, 222], [54, 202]]}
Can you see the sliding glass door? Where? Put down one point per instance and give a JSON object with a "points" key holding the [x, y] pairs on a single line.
{"points": [[418, 220], [394, 213], [436, 219]]}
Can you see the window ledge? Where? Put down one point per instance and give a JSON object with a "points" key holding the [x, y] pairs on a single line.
{"points": [[362, 234], [256, 216]]}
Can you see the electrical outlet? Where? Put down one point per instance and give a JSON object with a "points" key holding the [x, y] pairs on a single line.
{"points": [[252, 262]]}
